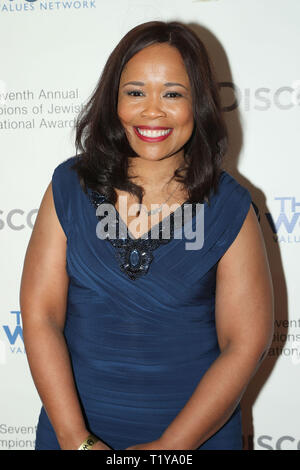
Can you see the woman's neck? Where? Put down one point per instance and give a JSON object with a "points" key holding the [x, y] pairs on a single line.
{"points": [[153, 175]]}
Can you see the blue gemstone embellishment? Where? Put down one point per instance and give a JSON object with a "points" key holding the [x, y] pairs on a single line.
{"points": [[134, 255]]}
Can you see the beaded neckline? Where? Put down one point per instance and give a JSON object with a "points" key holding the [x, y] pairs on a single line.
{"points": [[136, 254]]}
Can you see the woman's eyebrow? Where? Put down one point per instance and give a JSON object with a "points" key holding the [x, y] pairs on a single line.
{"points": [[143, 84], [134, 83], [175, 84]]}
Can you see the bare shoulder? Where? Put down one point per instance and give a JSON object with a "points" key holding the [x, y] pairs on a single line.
{"points": [[244, 291], [44, 278]]}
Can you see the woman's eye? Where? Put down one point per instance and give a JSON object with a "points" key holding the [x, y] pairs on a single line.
{"points": [[174, 94], [134, 93], [170, 94]]}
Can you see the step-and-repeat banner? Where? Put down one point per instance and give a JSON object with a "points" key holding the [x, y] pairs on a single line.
{"points": [[52, 54]]}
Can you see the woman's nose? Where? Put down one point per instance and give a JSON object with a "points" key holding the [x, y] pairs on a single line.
{"points": [[153, 108]]}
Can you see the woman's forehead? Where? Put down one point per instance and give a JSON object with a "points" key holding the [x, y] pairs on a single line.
{"points": [[156, 60]]}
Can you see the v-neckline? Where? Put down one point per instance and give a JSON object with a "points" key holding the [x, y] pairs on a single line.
{"points": [[100, 198], [135, 255], [145, 236]]}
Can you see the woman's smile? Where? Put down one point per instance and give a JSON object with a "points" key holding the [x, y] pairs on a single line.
{"points": [[152, 134]]}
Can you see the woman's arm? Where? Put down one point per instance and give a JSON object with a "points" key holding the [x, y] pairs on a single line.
{"points": [[244, 323], [43, 297]]}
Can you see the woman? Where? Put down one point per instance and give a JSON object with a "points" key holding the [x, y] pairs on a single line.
{"points": [[138, 341]]}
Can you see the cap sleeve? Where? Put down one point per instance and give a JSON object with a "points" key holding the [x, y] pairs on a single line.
{"points": [[240, 205], [237, 203], [61, 197]]}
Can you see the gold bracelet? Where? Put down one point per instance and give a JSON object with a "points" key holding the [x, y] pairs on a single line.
{"points": [[88, 443]]}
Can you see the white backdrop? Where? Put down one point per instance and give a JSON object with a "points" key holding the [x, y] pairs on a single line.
{"points": [[52, 53]]}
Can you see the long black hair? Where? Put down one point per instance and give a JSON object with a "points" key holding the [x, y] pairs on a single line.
{"points": [[102, 147]]}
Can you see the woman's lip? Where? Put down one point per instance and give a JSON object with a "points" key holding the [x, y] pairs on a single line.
{"points": [[153, 128], [152, 139]]}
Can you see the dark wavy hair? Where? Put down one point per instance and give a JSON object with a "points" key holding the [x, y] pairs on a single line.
{"points": [[102, 164]]}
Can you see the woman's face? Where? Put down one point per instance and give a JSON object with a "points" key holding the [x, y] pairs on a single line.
{"points": [[155, 102]]}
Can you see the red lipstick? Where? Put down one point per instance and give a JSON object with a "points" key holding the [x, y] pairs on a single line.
{"points": [[152, 139]]}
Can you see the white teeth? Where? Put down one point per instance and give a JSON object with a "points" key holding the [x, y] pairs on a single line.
{"points": [[155, 133]]}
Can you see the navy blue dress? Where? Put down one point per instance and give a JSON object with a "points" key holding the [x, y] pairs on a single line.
{"points": [[140, 327]]}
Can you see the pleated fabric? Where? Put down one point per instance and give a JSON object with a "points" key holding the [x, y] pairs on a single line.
{"points": [[140, 347]]}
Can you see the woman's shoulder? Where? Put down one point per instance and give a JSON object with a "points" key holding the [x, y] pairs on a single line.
{"points": [[233, 194], [229, 196], [65, 186], [64, 167], [65, 177], [228, 185], [228, 210]]}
